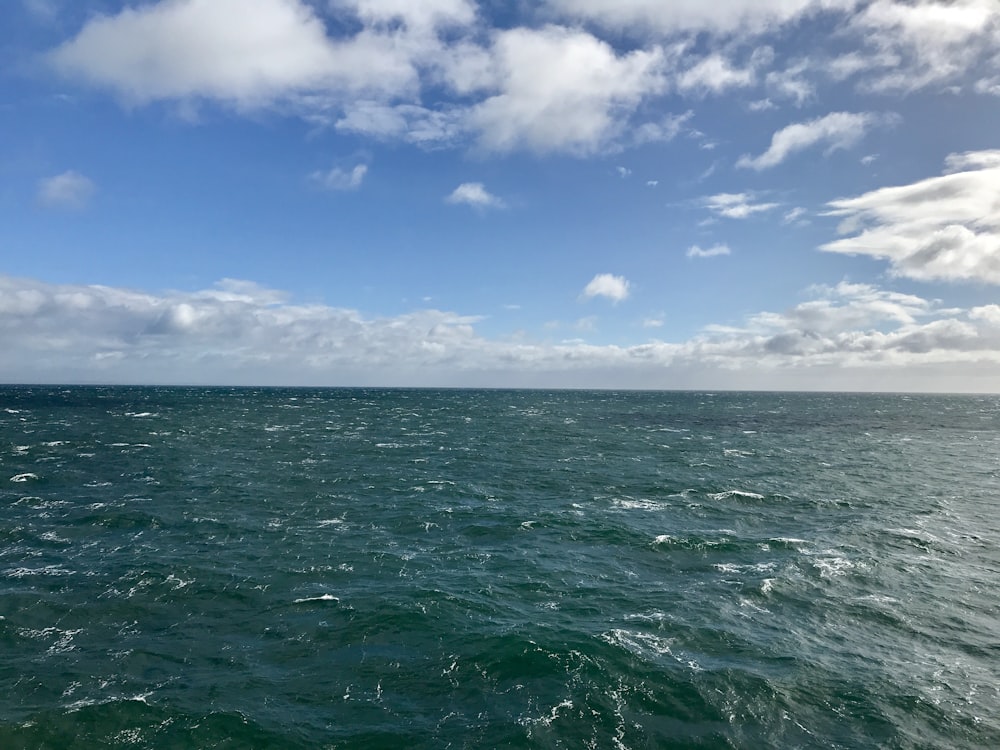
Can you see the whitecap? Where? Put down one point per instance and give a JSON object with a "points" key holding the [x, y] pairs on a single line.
{"points": [[139, 414], [830, 567], [320, 598], [646, 645], [788, 540], [747, 604], [177, 583], [23, 477], [546, 720], [735, 493], [634, 504], [641, 644]]}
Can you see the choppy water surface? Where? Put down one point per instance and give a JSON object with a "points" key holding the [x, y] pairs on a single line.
{"points": [[406, 568]]}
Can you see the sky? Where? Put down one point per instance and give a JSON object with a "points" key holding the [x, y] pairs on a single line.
{"points": [[742, 194]]}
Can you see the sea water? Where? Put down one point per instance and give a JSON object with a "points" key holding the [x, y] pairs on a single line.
{"points": [[351, 568]]}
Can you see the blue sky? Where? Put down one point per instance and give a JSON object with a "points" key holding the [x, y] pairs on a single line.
{"points": [[792, 194]]}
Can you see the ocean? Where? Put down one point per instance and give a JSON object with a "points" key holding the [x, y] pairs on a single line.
{"points": [[367, 568]]}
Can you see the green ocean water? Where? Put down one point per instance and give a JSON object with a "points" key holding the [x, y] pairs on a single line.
{"points": [[349, 568]]}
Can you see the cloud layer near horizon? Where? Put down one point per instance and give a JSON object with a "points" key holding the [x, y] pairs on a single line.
{"points": [[241, 333]]}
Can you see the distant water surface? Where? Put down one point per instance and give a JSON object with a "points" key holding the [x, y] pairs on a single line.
{"points": [[347, 568]]}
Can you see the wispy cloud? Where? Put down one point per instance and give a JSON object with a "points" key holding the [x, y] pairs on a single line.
{"points": [[945, 227], [735, 205], [67, 190], [341, 179], [474, 194], [614, 288], [715, 74], [837, 130], [711, 252], [731, 17], [795, 215]]}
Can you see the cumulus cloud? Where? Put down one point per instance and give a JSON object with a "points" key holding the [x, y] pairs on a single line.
{"points": [[711, 252], [939, 228], [909, 46], [474, 194], [562, 90], [248, 54], [837, 130], [735, 205], [844, 336], [338, 178], [614, 288], [67, 190], [433, 73]]}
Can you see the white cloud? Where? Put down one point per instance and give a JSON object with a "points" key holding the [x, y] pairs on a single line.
{"points": [[914, 45], [735, 205], [792, 83], [847, 336], [696, 252], [679, 16], [341, 179], [409, 122], [562, 90], [795, 215], [67, 190], [247, 54], [660, 131], [945, 227], [423, 15], [623, 172], [614, 288], [847, 306], [971, 160], [474, 194], [714, 74], [838, 130]]}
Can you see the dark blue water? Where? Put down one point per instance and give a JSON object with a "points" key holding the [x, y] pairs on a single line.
{"points": [[240, 568]]}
